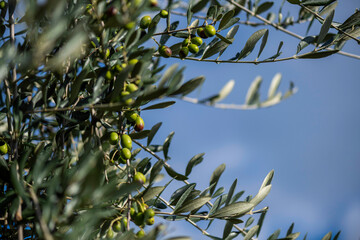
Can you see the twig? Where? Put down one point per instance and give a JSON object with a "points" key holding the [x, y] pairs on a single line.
{"points": [[332, 25], [43, 226]]}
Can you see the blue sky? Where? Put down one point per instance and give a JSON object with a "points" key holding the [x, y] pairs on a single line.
{"points": [[311, 140]]}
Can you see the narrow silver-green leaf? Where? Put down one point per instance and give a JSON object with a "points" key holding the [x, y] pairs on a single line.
{"points": [[317, 2], [175, 175], [227, 17], [252, 94], [325, 27], [251, 43], [225, 91], [264, 7], [169, 73], [184, 196], [263, 42], [190, 86], [251, 232], [233, 210], [261, 221], [231, 192], [152, 192], [315, 55], [199, 6], [195, 160], [327, 236], [275, 82], [189, 15], [193, 204], [152, 133], [222, 38], [216, 176], [268, 179], [160, 105], [305, 42], [263, 192], [167, 144], [217, 47]]}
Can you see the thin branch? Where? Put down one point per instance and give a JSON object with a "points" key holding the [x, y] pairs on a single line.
{"points": [[43, 226], [332, 25]]}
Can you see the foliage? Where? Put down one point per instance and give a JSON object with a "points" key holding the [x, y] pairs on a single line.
{"points": [[75, 77]]}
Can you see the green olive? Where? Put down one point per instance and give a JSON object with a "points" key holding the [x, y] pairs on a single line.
{"points": [[201, 33], [117, 226], [140, 233], [114, 138], [153, 3], [125, 153], [139, 178], [186, 42], [209, 31], [124, 223], [2, 4], [126, 141], [139, 219], [139, 124], [165, 51], [184, 51], [145, 22], [3, 147], [197, 41], [193, 48], [133, 61], [118, 68], [128, 101], [129, 25], [109, 75], [150, 221], [110, 234], [131, 88], [107, 53], [164, 13], [131, 116], [132, 212], [149, 213]]}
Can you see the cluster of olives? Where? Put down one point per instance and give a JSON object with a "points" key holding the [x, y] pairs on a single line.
{"points": [[3, 147], [190, 44], [141, 217]]}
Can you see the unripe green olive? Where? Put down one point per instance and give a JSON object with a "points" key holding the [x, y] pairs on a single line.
{"points": [[125, 153], [197, 41], [110, 234], [165, 51], [186, 42], [129, 25], [139, 178], [3, 147], [153, 3], [132, 212], [126, 141], [118, 68], [209, 31], [139, 218], [184, 51], [131, 88], [131, 116], [107, 53], [117, 226], [109, 75], [150, 221], [164, 13], [2, 4], [133, 61], [140, 233], [149, 213], [201, 33], [128, 101], [145, 22], [124, 223], [193, 48], [114, 138], [139, 124]]}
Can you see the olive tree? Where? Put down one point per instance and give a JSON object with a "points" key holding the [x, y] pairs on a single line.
{"points": [[77, 159]]}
